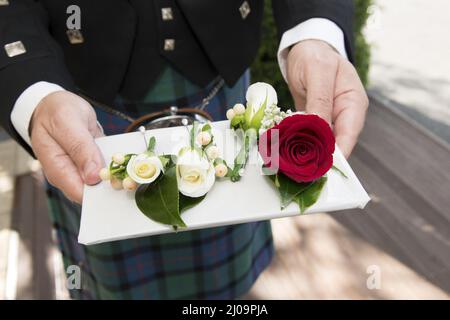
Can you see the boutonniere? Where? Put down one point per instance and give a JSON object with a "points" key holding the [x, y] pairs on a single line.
{"points": [[167, 185], [296, 148]]}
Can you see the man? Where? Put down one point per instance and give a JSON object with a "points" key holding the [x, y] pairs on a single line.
{"points": [[140, 56]]}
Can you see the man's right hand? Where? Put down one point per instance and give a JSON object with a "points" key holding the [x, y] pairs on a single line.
{"points": [[63, 129]]}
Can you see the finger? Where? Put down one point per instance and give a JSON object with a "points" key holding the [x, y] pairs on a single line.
{"points": [[58, 168], [350, 107], [95, 128], [320, 85], [98, 132], [299, 96], [78, 143]]}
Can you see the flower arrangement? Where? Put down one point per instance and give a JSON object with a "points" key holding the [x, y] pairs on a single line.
{"points": [[295, 152], [296, 148], [167, 185]]}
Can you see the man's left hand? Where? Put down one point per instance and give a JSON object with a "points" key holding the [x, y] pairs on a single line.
{"points": [[323, 82]]}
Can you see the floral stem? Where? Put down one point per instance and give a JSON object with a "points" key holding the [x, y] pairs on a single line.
{"points": [[242, 157]]}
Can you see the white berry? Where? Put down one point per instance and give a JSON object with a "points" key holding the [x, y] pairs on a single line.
{"points": [[104, 174], [230, 114], [239, 109], [118, 158], [129, 184], [204, 138], [221, 170], [116, 183]]}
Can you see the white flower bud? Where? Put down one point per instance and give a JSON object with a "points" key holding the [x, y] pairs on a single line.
{"points": [[118, 158], [212, 152], [230, 114], [203, 138], [259, 93], [239, 109], [116, 183], [221, 170], [104, 174], [129, 184]]}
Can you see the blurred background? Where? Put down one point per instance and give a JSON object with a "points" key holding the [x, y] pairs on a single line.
{"points": [[402, 238]]}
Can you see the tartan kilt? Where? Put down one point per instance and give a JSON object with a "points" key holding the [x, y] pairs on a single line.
{"points": [[216, 263]]}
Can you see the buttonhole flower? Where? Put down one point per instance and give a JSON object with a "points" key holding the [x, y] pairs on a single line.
{"points": [[144, 168]]}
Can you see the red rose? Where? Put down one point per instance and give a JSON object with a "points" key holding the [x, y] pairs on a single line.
{"points": [[306, 146]]}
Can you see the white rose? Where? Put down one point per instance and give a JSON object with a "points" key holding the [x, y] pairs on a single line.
{"points": [[195, 174], [257, 93], [144, 169]]}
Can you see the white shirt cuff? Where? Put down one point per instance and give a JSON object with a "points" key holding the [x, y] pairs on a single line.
{"points": [[314, 28], [26, 103]]}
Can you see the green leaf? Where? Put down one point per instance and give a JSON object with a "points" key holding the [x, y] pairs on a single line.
{"points": [[165, 160], [119, 171], [309, 196], [289, 189], [159, 200], [257, 118], [248, 115], [340, 171], [151, 145], [206, 127], [236, 121], [188, 202]]}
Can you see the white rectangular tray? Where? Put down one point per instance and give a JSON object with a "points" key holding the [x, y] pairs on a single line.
{"points": [[109, 215]]}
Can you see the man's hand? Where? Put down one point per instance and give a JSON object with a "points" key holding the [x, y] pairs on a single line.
{"points": [[63, 129], [324, 83]]}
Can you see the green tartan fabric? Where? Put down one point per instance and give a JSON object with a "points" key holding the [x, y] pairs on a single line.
{"points": [[216, 263]]}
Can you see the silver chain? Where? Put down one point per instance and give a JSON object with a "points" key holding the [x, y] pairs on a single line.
{"points": [[211, 94], [201, 106]]}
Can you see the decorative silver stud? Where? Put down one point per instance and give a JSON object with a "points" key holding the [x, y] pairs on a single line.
{"points": [[167, 14], [15, 48], [169, 44], [4, 2], [75, 36], [244, 9]]}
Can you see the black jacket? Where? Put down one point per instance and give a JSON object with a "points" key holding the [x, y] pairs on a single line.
{"points": [[123, 49]]}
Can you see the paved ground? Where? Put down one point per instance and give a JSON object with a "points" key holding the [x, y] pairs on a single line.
{"points": [[411, 59]]}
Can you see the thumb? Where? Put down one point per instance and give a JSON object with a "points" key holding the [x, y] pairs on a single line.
{"points": [[79, 144]]}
